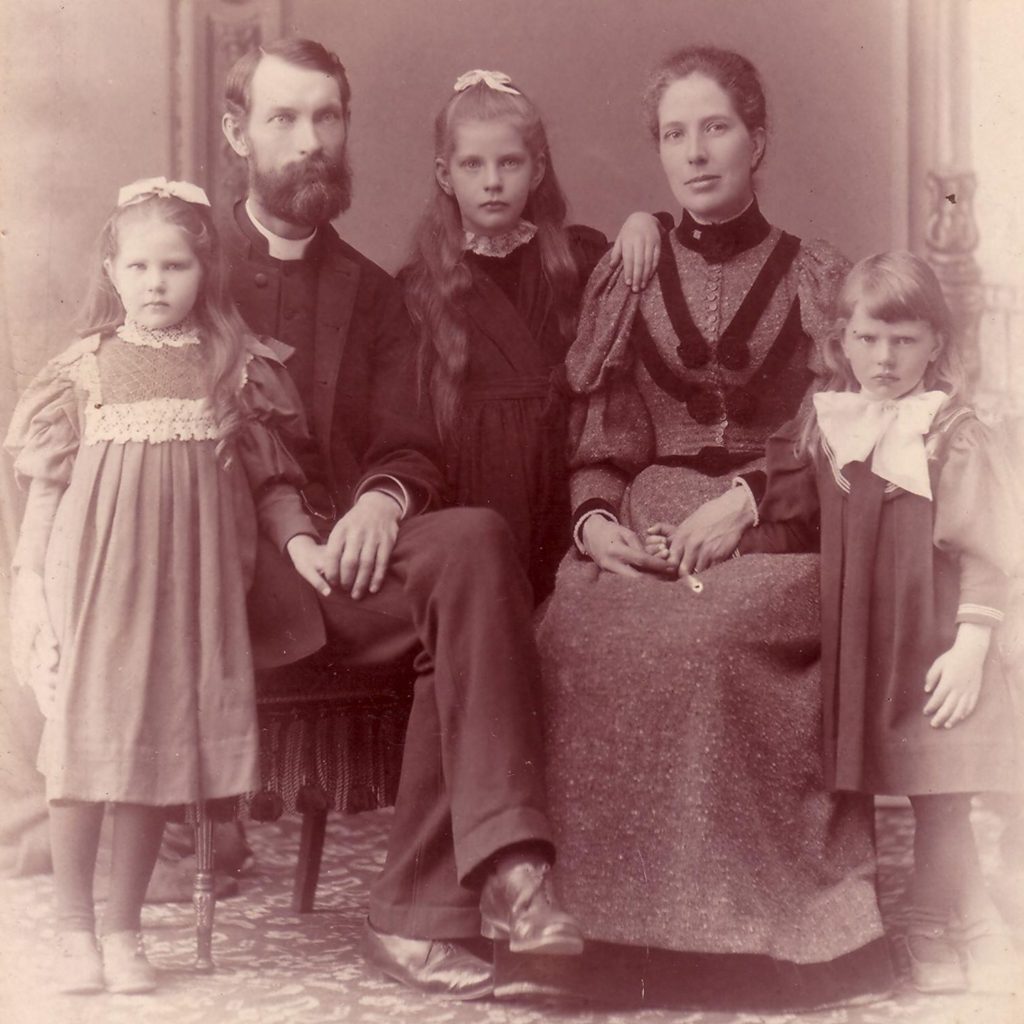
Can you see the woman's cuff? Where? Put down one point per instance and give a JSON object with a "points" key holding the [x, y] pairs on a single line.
{"points": [[584, 511], [743, 483]]}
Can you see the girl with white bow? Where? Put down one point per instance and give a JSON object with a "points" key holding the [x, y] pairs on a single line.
{"points": [[152, 449], [904, 492]]}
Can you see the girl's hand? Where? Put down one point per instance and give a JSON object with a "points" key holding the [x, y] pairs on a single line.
{"points": [[616, 549], [34, 651], [310, 560], [638, 248], [360, 545], [954, 680], [658, 538]]}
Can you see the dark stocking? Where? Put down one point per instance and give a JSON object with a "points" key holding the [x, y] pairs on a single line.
{"points": [[74, 837], [135, 843]]}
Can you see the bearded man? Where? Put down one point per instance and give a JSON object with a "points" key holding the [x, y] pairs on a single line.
{"points": [[439, 591]]}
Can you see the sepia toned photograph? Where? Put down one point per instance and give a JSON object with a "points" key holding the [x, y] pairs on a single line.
{"points": [[512, 511]]}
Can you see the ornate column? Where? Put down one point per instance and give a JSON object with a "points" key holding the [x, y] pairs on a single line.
{"points": [[208, 36], [942, 189]]}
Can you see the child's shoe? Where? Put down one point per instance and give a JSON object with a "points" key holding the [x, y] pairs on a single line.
{"points": [[79, 969], [934, 964], [993, 964], [125, 968]]}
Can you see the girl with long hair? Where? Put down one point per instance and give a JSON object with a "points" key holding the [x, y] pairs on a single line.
{"points": [[493, 285]]}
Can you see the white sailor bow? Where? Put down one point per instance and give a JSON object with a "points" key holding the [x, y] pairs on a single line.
{"points": [[890, 432]]}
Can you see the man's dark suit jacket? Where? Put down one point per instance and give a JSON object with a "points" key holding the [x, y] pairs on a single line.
{"points": [[364, 410]]}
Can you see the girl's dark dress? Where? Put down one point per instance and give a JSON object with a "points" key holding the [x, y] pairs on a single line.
{"points": [[511, 447], [898, 572]]}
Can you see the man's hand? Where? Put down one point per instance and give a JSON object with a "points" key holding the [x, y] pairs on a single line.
{"points": [[360, 545], [617, 549]]}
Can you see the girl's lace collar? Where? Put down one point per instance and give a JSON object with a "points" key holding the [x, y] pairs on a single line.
{"points": [[185, 332], [500, 245]]}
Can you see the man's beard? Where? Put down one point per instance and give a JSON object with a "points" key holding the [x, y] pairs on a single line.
{"points": [[309, 192]]}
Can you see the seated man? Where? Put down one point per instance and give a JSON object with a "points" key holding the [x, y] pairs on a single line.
{"points": [[441, 591]]}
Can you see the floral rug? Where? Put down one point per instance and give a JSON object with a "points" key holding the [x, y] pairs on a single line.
{"points": [[274, 967]]}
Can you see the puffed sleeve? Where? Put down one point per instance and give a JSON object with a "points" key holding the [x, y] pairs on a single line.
{"points": [[272, 445], [821, 269], [790, 512], [975, 518], [45, 431], [611, 437], [43, 438]]}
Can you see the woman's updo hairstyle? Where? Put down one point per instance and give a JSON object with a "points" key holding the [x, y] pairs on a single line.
{"points": [[733, 72]]}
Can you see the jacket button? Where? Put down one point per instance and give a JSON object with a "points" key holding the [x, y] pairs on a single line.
{"points": [[261, 280]]}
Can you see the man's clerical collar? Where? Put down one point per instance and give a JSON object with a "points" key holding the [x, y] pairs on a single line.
{"points": [[279, 248]]}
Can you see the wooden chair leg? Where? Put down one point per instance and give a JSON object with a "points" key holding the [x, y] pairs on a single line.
{"points": [[202, 890], [311, 848]]}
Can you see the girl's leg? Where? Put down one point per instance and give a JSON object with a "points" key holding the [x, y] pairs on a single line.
{"points": [[943, 850], [948, 880], [74, 838], [947, 869], [135, 843]]}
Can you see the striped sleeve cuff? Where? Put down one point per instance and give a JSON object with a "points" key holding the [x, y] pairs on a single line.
{"points": [[389, 485], [980, 614]]}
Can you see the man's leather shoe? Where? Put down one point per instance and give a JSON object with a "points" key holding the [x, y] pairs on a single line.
{"points": [[435, 967], [518, 905]]}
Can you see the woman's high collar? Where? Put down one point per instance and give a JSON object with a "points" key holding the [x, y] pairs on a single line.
{"points": [[720, 242]]}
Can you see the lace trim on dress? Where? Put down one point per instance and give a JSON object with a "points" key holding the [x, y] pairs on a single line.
{"points": [[183, 333], [155, 420], [500, 245]]}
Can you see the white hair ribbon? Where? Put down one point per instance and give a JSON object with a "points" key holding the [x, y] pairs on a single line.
{"points": [[496, 80], [146, 187]]}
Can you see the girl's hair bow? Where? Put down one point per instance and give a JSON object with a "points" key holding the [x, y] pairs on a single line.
{"points": [[146, 187], [496, 80]]}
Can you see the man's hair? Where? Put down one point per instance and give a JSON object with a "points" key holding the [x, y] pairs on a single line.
{"points": [[304, 53]]}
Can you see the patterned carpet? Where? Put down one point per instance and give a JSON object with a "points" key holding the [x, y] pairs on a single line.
{"points": [[277, 968]]}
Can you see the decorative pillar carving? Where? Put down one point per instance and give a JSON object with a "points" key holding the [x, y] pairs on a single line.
{"points": [[208, 37], [942, 224]]}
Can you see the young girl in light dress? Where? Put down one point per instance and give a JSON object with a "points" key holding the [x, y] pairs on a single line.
{"points": [[493, 285], [904, 492], [152, 449]]}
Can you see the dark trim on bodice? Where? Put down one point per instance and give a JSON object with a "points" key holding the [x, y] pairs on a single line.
{"points": [[738, 403]]}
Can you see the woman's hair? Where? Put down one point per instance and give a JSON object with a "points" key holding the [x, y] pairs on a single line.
{"points": [[222, 328], [892, 286], [436, 277], [733, 72]]}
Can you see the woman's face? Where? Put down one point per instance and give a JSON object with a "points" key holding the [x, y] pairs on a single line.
{"points": [[707, 152]]}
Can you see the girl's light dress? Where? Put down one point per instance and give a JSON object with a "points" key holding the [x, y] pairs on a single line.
{"points": [[149, 559]]}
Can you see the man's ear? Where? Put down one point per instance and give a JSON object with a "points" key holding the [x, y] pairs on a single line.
{"points": [[235, 135]]}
